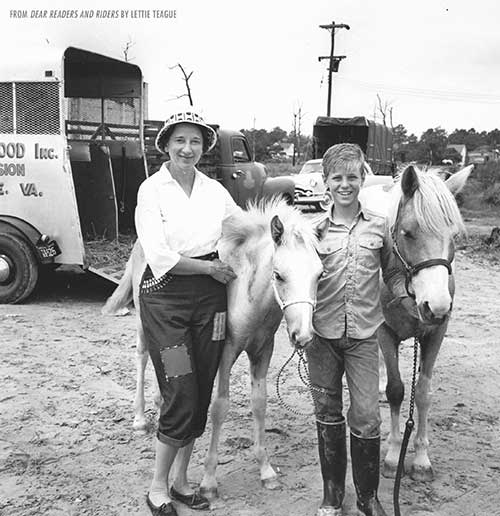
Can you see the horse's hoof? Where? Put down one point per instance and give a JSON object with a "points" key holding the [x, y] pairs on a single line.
{"points": [[210, 493], [422, 473], [271, 483], [389, 470], [140, 427]]}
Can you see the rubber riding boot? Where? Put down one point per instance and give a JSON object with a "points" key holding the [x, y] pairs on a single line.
{"points": [[365, 458], [333, 460]]}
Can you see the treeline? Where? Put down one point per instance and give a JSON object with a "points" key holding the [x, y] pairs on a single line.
{"points": [[266, 145], [431, 147]]}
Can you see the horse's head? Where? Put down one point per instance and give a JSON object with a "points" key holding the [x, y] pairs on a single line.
{"points": [[296, 271], [426, 222]]}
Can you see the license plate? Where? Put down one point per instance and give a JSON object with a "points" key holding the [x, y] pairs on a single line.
{"points": [[49, 250]]}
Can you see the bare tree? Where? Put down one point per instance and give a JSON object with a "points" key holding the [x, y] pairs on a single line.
{"points": [[128, 45], [385, 109], [186, 80]]}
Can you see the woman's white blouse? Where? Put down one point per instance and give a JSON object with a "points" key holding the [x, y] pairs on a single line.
{"points": [[170, 224]]}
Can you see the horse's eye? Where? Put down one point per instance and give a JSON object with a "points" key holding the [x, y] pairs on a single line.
{"points": [[277, 276], [407, 234]]}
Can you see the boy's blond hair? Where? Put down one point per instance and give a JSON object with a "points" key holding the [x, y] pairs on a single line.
{"points": [[344, 155]]}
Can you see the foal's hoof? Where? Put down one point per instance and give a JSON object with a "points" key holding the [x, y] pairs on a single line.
{"points": [[389, 470], [210, 493], [421, 473], [271, 483]]}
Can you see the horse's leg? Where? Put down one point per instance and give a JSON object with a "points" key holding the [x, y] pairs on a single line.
{"points": [[382, 374], [259, 365], [389, 344], [218, 413], [421, 468], [141, 359]]}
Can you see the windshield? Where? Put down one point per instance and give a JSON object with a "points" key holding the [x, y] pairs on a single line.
{"points": [[309, 168]]}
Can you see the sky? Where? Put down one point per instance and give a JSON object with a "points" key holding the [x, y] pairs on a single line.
{"points": [[255, 63]]}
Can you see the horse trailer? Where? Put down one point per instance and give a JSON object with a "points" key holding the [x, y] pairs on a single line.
{"points": [[71, 161]]}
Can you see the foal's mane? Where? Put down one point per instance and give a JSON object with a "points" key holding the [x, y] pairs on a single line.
{"points": [[435, 207], [254, 222]]}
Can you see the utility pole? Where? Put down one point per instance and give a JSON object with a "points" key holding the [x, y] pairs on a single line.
{"points": [[334, 61]]}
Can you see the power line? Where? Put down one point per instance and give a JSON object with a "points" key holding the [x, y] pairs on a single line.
{"points": [[453, 96]]}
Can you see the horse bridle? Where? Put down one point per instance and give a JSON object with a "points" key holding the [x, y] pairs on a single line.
{"points": [[285, 304], [411, 270]]}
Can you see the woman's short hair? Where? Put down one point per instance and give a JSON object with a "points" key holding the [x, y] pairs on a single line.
{"points": [[347, 156]]}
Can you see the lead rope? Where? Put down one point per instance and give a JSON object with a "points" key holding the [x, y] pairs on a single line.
{"points": [[303, 372], [408, 430]]}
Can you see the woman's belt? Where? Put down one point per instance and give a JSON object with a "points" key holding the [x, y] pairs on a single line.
{"points": [[151, 284], [210, 256]]}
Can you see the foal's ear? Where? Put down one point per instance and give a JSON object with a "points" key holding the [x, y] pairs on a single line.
{"points": [[321, 229], [277, 229], [409, 181]]}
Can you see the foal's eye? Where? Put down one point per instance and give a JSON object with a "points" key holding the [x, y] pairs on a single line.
{"points": [[277, 276], [407, 234]]}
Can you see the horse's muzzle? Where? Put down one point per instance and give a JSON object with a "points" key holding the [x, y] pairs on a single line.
{"points": [[427, 316]]}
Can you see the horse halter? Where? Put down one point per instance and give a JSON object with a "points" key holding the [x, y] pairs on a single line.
{"points": [[285, 304], [411, 270]]}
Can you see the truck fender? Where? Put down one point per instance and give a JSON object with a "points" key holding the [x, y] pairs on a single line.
{"points": [[23, 229], [274, 186]]}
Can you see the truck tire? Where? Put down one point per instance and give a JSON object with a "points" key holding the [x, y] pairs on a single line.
{"points": [[18, 269]]}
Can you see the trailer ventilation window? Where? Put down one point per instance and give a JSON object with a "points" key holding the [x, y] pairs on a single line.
{"points": [[37, 108], [6, 108]]}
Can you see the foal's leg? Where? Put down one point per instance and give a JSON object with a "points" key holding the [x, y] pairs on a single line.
{"points": [[259, 365], [421, 468], [141, 359], [389, 344], [218, 413]]}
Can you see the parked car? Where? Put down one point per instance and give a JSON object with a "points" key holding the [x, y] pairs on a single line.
{"points": [[310, 188]]}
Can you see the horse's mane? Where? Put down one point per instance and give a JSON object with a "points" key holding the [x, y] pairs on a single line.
{"points": [[434, 204], [256, 219]]}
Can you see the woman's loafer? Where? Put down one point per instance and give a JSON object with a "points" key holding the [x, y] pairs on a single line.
{"points": [[194, 501], [165, 509]]}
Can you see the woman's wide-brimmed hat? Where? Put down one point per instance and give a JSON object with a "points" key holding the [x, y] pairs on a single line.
{"points": [[186, 117]]}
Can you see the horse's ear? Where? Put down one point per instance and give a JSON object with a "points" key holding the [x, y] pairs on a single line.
{"points": [[457, 181], [409, 181], [277, 229], [321, 229]]}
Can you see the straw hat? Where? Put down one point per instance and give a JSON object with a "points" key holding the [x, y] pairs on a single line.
{"points": [[186, 117]]}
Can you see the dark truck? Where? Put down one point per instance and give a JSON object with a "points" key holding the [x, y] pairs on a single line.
{"points": [[229, 162], [374, 139]]}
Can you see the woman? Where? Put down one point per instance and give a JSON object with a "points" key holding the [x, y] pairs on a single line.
{"points": [[179, 218]]}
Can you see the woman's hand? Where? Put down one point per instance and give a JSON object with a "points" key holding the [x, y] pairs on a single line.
{"points": [[221, 271]]}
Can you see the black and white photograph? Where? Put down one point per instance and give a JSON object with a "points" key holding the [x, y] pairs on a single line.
{"points": [[249, 258]]}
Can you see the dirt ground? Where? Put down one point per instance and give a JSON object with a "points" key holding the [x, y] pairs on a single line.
{"points": [[67, 448]]}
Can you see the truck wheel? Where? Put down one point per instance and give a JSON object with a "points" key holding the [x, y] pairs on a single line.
{"points": [[18, 269]]}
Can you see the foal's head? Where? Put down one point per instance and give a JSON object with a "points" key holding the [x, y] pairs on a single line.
{"points": [[296, 271], [424, 227]]}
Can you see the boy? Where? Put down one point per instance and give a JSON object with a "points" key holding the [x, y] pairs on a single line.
{"points": [[357, 244]]}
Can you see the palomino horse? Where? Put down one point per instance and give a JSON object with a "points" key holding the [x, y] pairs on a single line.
{"points": [[272, 249], [424, 219]]}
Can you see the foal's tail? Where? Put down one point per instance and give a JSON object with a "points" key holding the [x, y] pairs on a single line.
{"points": [[124, 293]]}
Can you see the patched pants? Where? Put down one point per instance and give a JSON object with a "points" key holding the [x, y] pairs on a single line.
{"points": [[328, 359], [184, 320]]}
